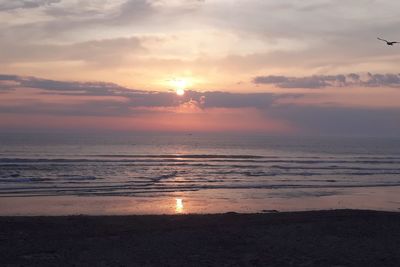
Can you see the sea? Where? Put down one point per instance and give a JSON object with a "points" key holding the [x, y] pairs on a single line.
{"points": [[147, 173]]}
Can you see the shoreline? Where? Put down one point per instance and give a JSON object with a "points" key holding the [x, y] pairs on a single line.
{"points": [[206, 202], [305, 238], [218, 214]]}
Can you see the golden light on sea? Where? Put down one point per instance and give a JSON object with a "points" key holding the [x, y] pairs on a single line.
{"points": [[179, 205]]}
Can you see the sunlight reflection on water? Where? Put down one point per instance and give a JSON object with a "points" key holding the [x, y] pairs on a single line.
{"points": [[179, 205]]}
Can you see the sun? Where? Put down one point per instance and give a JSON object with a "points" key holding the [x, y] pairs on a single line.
{"points": [[179, 85], [180, 91]]}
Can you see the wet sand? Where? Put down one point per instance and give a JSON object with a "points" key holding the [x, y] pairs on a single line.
{"points": [[314, 238]]}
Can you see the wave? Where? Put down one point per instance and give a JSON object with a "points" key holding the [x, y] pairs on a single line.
{"points": [[123, 190], [186, 156], [168, 173], [19, 179], [70, 177], [152, 160], [24, 180], [165, 176], [235, 156]]}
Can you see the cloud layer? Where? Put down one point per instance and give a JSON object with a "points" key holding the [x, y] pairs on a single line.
{"points": [[340, 80], [33, 103], [121, 100]]}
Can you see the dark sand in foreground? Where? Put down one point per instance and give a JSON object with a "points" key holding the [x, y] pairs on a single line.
{"points": [[317, 238]]}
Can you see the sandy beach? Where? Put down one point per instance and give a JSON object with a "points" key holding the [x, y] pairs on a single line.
{"points": [[313, 238]]}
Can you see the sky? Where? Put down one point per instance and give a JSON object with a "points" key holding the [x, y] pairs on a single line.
{"points": [[246, 66]]}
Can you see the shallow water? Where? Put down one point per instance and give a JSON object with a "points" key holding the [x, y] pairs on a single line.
{"points": [[67, 174]]}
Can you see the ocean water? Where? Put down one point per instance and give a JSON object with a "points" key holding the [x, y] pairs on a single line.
{"points": [[185, 173]]}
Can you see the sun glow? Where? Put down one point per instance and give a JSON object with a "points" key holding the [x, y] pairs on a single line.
{"points": [[180, 85]]}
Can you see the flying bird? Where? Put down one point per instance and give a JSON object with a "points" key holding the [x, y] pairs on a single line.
{"points": [[388, 42]]}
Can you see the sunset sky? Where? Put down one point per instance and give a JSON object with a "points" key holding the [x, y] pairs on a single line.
{"points": [[251, 66]]}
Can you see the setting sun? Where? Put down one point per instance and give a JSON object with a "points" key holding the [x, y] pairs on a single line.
{"points": [[180, 85], [180, 91]]}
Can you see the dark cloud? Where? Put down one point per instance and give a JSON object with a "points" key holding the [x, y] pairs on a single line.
{"points": [[354, 76], [5, 77], [382, 80], [134, 9], [8, 83], [236, 100], [16, 4], [129, 98], [321, 81], [65, 88]]}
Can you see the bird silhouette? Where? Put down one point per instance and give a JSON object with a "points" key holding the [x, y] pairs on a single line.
{"points": [[388, 42]]}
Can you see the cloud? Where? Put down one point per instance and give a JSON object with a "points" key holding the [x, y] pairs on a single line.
{"points": [[63, 87], [237, 100], [6, 77], [6, 5], [134, 9], [382, 80], [98, 51], [339, 80], [8, 83], [108, 98]]}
